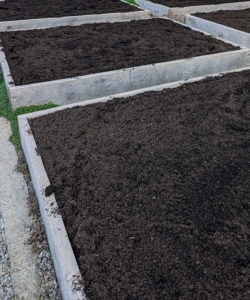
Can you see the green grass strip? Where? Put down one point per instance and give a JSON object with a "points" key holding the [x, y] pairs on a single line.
{"points": [[7, 113], [132, 2]]}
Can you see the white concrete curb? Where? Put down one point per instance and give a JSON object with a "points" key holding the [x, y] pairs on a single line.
{"points": [[209, 8], [157, 10], [218, 30], [160, 10], [128, 94], [73, 21], [62, 254], [67, 270]]}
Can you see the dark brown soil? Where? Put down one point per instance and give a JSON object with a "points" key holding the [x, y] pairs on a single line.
{"points": [[154, 190], [183, 3], [43, 55], [30, 9], [238, 19]]}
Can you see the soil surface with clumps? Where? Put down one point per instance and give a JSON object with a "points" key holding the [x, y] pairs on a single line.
{"points": [[183, 3], [56, 53], [154, 190], [28, 9], [238, 19]]}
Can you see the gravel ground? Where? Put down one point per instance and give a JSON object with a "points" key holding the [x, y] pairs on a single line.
{"points": [[6, 287]]}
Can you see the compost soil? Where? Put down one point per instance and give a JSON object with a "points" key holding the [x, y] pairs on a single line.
{"points": [[238, 19], [56, 53], [154, 190], [29, 9], [183, 3]]}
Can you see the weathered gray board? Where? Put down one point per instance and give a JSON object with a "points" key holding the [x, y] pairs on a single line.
{"points": [[159, 9], [93, 86], [72, 21], [61, 251], [218, 30]]}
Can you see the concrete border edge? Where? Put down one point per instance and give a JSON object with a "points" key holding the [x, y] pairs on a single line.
{"points": [[160, 10], [209, 8], [65, 264], [128, 94], [218, 30], [157, 10], [72, 20]]}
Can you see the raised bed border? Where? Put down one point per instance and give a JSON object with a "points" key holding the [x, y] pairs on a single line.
{"points": [[67, 270], [157, 10], [209, 8], [66, 91], [76, 89], [160, 10], [228, 33], [43, 23]]}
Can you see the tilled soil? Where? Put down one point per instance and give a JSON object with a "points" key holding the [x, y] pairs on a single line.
{"points": [[154, 190], [29, 9], [238, 19], [183, 3], [50, 54]]}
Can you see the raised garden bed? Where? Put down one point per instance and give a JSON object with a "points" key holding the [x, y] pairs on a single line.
{"points": [[40, 59], [235, 19], [184, 3], [29, 9], [153, 189], [229, 25], [57, 53], [28, 15], [178, 7]]}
